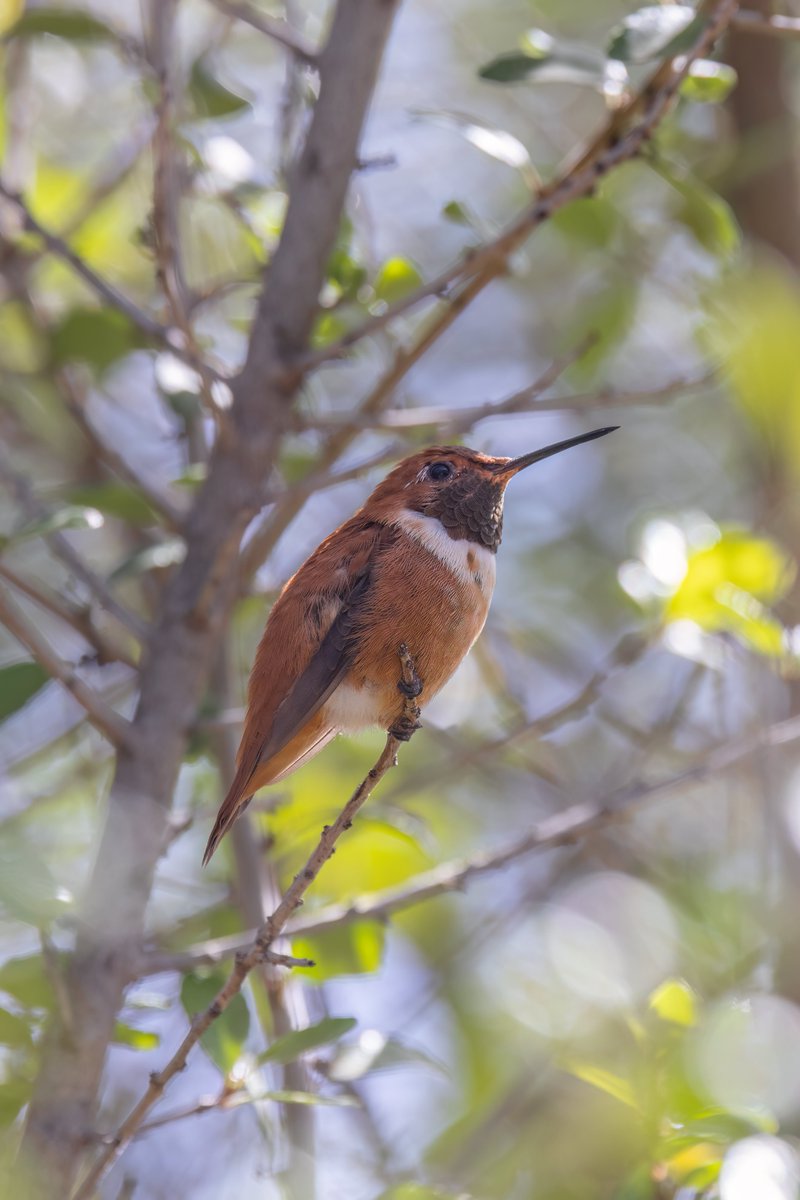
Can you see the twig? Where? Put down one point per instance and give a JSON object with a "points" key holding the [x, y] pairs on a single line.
{"points": [[278, 31], [577, 821], [102, 287], [769, 25], [410, 687], [620, 140], [78, 619], [112, 726], [63, 549], [75, 402]]}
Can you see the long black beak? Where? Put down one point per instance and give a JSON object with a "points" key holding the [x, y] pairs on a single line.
{"points": [[507, 469]]}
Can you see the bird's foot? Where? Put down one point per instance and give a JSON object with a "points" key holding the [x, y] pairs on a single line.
{"points": [[411, 688], [404, 727]]}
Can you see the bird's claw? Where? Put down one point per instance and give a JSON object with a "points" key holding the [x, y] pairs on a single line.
{"points": [[403, 728], [411, 688]]}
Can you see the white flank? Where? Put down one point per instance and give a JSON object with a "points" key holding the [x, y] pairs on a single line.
{"points": [[350, 709], [456, 553]]}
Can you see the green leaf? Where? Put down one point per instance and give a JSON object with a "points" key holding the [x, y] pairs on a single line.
{"points": [[25, 980], [14, 1094], [709, 82], [395, 279], [71, 516], [10, 12], [289, 1097], [656, 31], [372, 1051], [137, 1039], [28, 890], [727, 585], [115, 499], [14, 1030], [72, 25], [347, 950], [210, 97], [153, 558], [288, 1048], [497, 143], [223, 1041], [512, 67], [98, 336], [592, 221], [18, 684], [605, 1081], [675, 1001], [456, 212], [710, 219]]}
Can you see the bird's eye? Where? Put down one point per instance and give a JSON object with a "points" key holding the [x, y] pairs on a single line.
{"points": [[439, 471]]}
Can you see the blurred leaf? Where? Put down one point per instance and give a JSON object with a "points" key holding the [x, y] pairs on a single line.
{"points": [[73, 25], [709, 82], [592, 221], [10, 11], [153, 558], [287, 1097], [328, 327], [224, 1040], [727, 585], [288, 1048], [14, 1030], [18, 683], [675, 1001], [115, 499], [137, 1039], [346, 950], [497, 143], [345, 272], [28, 890], [22, 346], [373, 1051], [656, 31], [605, 1081], [396, 279], [512, 67], [719, 1127], [71, 516], [98, 336], [455, 211], [25, 980], [710, 219], [606, 318], [211, 98], [14, 1094]]}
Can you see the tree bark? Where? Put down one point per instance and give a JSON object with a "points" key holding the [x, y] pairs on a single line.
{"points": [[180, 650]]}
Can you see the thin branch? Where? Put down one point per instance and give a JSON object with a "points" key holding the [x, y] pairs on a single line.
{"points": [[78, 619], [63, 549], [410, 687], [75, 402], [112, 726], [564, 828], [621, 139], [768, 25], [102, 287], [275, 29]]}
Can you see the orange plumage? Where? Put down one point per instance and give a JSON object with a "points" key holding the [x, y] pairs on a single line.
{"points": [[415, 565]]}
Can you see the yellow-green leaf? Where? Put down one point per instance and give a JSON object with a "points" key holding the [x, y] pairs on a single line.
{"points": [[675, 1001]]}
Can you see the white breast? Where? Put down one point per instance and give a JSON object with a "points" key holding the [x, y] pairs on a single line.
{"points": [[469, 561]]}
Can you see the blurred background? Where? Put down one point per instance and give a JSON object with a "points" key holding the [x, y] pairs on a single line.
{"points": [[618, 1016]]}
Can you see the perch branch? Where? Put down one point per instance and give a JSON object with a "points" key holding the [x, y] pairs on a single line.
{"points": [[410, 687], [575, 822]]}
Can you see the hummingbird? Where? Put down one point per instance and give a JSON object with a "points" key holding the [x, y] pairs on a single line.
{"points": [[414, 565]]}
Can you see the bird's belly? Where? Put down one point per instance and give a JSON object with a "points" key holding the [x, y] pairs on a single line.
{"points": [[436, 610]]}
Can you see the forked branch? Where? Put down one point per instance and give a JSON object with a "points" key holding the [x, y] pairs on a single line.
{"points": [[260, 949]]}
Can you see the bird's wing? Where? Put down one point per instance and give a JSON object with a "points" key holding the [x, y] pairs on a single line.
{"points": [[306, 650]]}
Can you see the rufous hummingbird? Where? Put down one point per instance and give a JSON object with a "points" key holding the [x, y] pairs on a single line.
{"points": [[415, 565]]}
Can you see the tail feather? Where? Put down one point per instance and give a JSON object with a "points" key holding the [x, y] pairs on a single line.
{"points": [[233, 805]]}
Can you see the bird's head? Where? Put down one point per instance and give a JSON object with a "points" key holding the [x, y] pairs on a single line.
{"points": [[462, 488]]}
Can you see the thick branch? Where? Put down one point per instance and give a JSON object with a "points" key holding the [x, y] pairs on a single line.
{"points": [[269, 931], [180, 648]]}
